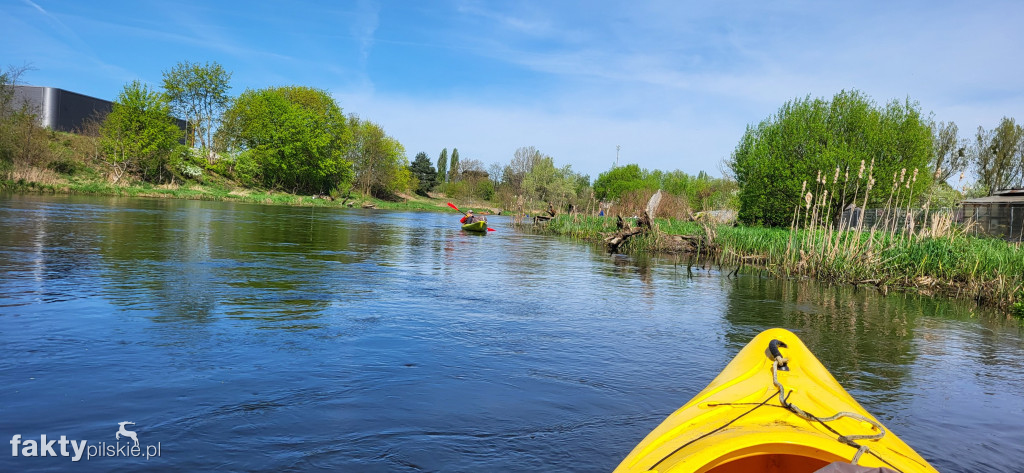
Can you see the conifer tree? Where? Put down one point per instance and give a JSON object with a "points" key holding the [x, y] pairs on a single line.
{"points": [[442, 166]]}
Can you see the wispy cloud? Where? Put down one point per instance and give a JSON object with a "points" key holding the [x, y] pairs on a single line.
{"points": [[364, 27], [66, 34], [674, 83]]}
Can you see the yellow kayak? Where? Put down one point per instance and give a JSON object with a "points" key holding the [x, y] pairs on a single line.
{"points": [[739, 423], [479, 226]]}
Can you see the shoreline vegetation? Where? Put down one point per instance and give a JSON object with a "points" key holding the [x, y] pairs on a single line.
{"points": [[989, 271], [216, 191], [306, 152], [44, 181], [938, 260]]}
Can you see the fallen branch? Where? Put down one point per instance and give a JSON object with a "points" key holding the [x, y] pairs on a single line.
{"points": [[626, 231]]}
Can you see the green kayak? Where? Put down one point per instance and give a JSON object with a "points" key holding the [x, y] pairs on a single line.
{"points": [[479, 226]]}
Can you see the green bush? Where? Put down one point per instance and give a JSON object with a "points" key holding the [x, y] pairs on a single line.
{"points": [[6, 165], [65, 165], [813, 141], [485, 189], [293, 138]]}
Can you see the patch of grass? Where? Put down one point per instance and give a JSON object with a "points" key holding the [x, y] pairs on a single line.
{"points": [[1018, 307]]}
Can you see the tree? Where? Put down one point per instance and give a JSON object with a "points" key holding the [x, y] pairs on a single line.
{"points": [[522, 162], [139, 134], [617, 181], [775, 163], [12, 118], [475, 179], [547, 183], [453, 166], [22, 139], [199, 93], [381, 168], [950, 151], [423, 170], [442, 166], [999, 156], [294, 138]]}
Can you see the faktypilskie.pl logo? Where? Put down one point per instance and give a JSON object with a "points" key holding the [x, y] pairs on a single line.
{"points": [[78, 449]]}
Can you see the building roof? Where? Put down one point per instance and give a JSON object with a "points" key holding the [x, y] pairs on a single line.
{"points": [[997, 199]]}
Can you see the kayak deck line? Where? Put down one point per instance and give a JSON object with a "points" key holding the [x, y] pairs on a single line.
{"points": [[708, 435]]}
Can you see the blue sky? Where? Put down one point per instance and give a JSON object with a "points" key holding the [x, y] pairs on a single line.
{"points": [[674, 83]]}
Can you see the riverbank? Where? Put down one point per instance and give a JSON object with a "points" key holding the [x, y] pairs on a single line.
{"points": [[961, 266], [990, 271], [43, 181]]}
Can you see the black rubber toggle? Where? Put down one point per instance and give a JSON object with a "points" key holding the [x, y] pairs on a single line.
{"points": [[773, 348]]}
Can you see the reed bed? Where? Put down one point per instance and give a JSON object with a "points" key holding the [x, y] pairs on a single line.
{"points": [[909, 247]]}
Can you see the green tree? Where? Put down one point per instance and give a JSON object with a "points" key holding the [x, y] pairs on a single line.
{"points": [[22, 139], [139, 135], [442, 167], [423, 170], [475, 179], [612, 184], [949, 150], [998, 156], [523, 160], [12, 117], [545, 182], [829, 139], [381, 168], [199, 92], [294, 138], [453, 166]]}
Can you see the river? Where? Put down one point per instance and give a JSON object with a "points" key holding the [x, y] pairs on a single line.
{"points": [[240, 337]]}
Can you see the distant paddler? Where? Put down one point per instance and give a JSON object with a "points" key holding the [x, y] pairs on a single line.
{"points": [[469, 218], [472, 223]]}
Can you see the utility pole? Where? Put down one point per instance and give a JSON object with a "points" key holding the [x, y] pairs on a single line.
{"points": [[617, 148]]}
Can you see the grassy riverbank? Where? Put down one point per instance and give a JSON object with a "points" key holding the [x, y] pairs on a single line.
{"points": [[954, 264], [86, 181], [991, 271]]}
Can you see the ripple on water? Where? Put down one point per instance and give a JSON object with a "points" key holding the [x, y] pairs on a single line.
{"points": [[255, 338]]}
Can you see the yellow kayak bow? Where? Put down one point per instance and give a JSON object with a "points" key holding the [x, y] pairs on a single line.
{"points": [[773, 408]]}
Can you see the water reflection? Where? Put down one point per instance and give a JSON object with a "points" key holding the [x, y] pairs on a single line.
{"points": [[282, 338], [264, 264]]}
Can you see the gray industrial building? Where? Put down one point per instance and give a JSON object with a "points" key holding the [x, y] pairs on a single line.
{"points": [[60, 109]]}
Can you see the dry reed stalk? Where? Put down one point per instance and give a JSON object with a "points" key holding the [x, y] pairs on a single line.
{"points": [[826, 202], [792, 228], [908, 227], [35, 174], [891, 218]]}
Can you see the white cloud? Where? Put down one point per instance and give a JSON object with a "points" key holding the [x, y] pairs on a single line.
{"points": [[674, 83], [587, 142]]}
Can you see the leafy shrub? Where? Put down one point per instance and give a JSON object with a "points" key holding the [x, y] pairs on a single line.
{"points": [[808, 137], [65, 165]]}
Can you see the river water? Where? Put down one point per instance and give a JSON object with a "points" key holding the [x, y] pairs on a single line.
{"points": [[242, 337]]}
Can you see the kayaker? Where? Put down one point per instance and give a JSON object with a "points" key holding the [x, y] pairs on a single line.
{"points": [[470, 218]]}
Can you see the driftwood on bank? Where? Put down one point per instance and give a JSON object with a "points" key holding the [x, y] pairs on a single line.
{"points": [[627, 230], [544, 218]]}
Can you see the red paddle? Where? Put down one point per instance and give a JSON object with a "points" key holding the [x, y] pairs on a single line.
{"points": [[464, 213]]}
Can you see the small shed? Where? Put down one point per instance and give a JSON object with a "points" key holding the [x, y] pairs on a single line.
{"points": [[851, 217], [1000, 214]]}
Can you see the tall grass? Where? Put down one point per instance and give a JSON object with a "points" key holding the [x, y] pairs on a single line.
{"points": [[899, 250]]}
